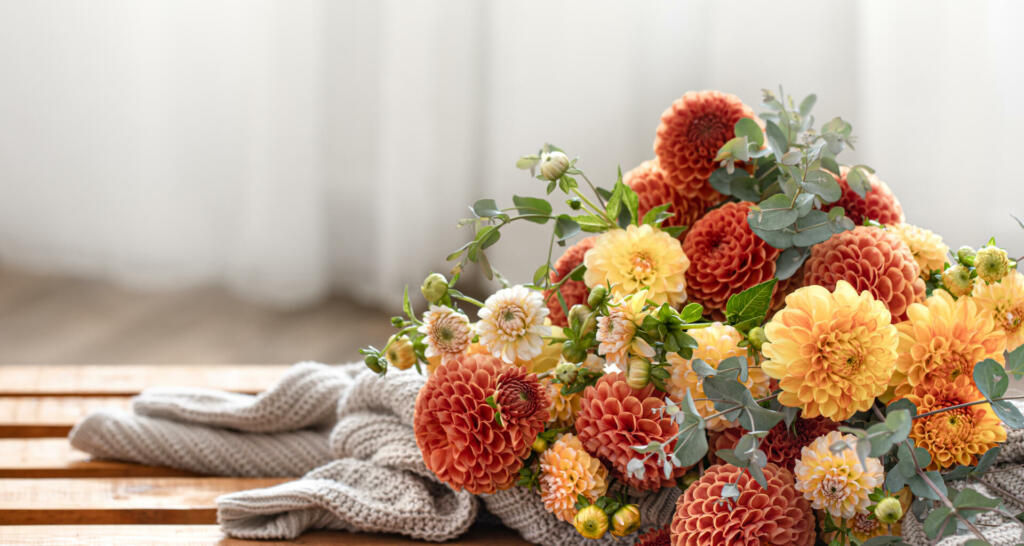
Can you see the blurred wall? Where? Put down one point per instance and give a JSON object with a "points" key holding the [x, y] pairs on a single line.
{"points": [[290, 148]]}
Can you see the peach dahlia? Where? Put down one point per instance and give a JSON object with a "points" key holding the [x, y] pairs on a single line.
{"points": [[567, 471], [1004, 302], [837, 482]]}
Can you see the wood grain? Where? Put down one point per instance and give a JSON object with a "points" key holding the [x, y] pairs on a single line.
{"points": [[120, 380], [117, 501], [49, 416], [55, 458]]}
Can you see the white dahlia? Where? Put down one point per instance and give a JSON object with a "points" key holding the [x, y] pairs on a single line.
{"points": [[512, 324]]}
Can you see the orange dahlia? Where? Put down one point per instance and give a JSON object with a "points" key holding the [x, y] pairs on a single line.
{"points": [[870, 259], [879, 204], [614, 417], [1004, 301], [692, 130], [782, 445], [956, 436], [832, 352], [776, 515], [564, 407], [943, 339], [573, 292], [726, 257], [652, 189], [465, 441], [568, 471]]}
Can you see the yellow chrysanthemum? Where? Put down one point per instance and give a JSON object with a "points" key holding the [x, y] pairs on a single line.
{"points": [[832, 352], [837, 482], [715, 344], [635, 258], [955, 436], [942, 339], [927, 248], [1004, 301], [616, 332], [567, 470]]}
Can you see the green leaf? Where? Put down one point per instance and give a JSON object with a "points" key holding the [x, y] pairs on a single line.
{"points": [[1015, 361], [807, 104], [990, 378], [487, 236], [858, 181], [894, 430], [937, 524], [735, 363], [787, 264], [776, 212], [781, 238], [752, 303], [540, 273], [829, 163], [486, 208], [985, 462], [590, 223], [747, 127], [920, 488], [702, 369], [565, 227], [777, 140], [822, 184], [532, 206], [632, 202], [654, 215], [970, 499], [692, 442], [1009, 413], [691, 313], [527, 161], [406, 305], [813, 229]]}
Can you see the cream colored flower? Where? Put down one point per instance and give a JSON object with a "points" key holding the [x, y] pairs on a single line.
{"points": [[927, 248], [512, 324], [1004, 301], [837, 482], [447, 332], [636, 258], [616, 332]]}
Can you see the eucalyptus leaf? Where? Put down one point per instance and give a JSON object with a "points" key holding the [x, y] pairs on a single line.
{"points": [[823, 185], [1009, 413], [990, 378], [776, 212], [807, 104], [789, 261], [486, 208], [781, 238], [777, 140], [747, 127]]}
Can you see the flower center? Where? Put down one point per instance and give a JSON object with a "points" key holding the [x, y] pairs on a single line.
{"points": [[1012, 318], [512, 320], [833, 488], [518, 396], [707, 129], [643, 267]]}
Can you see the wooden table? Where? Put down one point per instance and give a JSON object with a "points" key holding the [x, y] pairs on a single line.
{"points": [[53, 494]]}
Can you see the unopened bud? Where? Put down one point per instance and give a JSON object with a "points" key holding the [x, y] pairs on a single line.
{"points": [[626, 520], [575, 204], [397, 322], [373, 363], [638, 373], [957, 280], [434, 287], [597, 295], [690, 478], [591, 522], [400, 353], [757, 337], [572, 352], [889, 510], [577, 315], [992, 264], [538, 445], [965, 255], [553, 165], [565, 372]]}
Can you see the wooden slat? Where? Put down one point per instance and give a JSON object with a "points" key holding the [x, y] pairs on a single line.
{"points": [[114, 380], [49, 416], [117, 501], [55, 458], [181, 535]]}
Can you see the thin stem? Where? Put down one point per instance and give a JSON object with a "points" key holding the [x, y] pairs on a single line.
{"points": [[964, 405], [594, 208], [593, 189], [468, 299]]}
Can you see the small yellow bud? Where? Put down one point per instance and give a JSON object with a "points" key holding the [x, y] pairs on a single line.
{"points": [[992, 264], [626, 520], [965, 255], [889, 510], [757, 337], [638, 372], [957, 279], [597, 295], [434, 287], [538, 445], [565, 372], [591, 522], [553, 165], [400, 353]]}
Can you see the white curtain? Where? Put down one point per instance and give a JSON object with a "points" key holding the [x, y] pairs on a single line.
{"points": [[293, 148]]}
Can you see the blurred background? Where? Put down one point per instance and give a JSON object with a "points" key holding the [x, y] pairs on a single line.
{"points": [[254, 181]]}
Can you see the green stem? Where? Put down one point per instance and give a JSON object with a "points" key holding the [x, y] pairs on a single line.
{"points": [[593, 189], [468, 299], [594, 208], [964, 405]]}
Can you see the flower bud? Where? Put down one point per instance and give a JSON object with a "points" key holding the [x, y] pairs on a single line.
{"points": [[992, 264], [553, 165], [757, 337], [690, 478], [538, 445], [575, 204], [565, 372], [957, 280], [397, 322], [591, 522], [434, 287], [578, 315], [572, 352], [373, 363], [400, 353], [965, 255], [626, 520], [889, 510], [597, 295], [638, 372]]}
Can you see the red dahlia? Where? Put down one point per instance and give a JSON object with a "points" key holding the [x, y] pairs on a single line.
{"points": [[573, 292]]}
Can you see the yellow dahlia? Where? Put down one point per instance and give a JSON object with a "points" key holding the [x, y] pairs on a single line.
{"points": [[1004, 301], [942, 339], [927, 248], [837, 482], [635, 258], [512, 324], [832, 352], [715, 344], [955, 436], [564, 407], [567, 471], [447, 333], [616, 332]]}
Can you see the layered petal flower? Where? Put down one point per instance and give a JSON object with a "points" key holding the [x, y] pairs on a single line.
{"points": [[512, 324], [1004, 302], [567, 471], [637, 258], [653, 189], [837, 482], [927, 248], [573, 292], [879, 204]]}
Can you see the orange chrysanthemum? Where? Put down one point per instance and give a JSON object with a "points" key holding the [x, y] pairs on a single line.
{"points": [[652, 189], [870, 259], [1004, 301], [614, 417], [832, 352], [655, 537], [459, 433], [879, 204], [564, 407], [726, 257], [782, 445], [943, 339], [568, 471], [692, 130], [777, 515], [956, 436], [573, 292]]}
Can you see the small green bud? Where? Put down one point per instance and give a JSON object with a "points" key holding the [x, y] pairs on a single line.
{"points": [[434, 287], [565, 372], [538, 445], [965, 255], [397, 322], [577, 315], [575, 204], [957, 280], [373, 362], [553, 165], [638, 372], [597, 296], [572, 352], [757, 337], [992, 264], [889, 510]]}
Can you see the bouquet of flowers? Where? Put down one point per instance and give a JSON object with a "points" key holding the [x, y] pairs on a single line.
{"points": [[747, 320]]}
